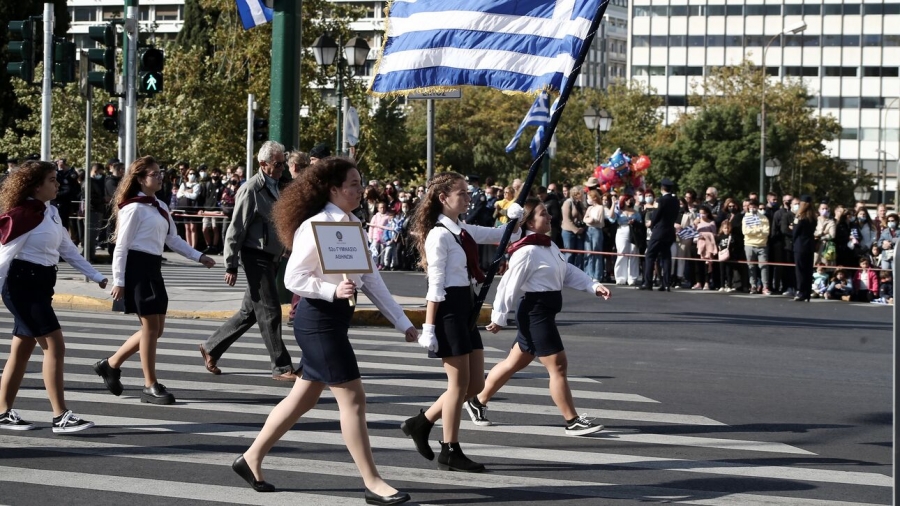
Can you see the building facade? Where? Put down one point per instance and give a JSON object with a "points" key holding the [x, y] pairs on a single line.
{"points": [[848, 56], [159, 19]]}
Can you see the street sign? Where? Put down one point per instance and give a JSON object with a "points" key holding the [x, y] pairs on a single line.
{"points": [[436, 95]]}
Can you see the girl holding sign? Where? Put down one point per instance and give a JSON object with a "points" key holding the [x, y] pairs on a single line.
{"points": [[449, 252], [327, 191], [31, 241], [532, 287]]}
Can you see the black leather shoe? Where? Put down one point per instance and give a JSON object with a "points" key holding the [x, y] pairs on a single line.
{"points": [[452, 458], [111, 376], [157, 394], [243, 470], [644, 287], [373, 498], [663, 289], [418, 428]]}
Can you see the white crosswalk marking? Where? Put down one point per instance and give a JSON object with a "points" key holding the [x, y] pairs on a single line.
{"points": [[158, 454]]}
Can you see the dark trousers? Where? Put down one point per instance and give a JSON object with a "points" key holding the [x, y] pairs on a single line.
{"points": [[726, 271], [804, 269], [788, 279], [662, 250], [777, 272], [260, 305]]}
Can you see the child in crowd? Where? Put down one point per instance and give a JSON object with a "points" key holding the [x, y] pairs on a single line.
{"points": [[391, 240], [820, 281], [376, 233], [886, 288], [875, 255], [865, 282], [840, 287]]}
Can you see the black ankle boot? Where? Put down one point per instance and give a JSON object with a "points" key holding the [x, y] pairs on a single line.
{"points": [[453, 459], [418, 428]]}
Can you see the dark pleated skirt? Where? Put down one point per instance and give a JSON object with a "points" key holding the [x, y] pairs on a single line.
{"points": [[536, 317], [28, 294], [451, 324], [320, 328], [145, 291]]}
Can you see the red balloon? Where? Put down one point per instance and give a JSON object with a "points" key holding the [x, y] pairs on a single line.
{"points": [[641, 163], [607, 175]]}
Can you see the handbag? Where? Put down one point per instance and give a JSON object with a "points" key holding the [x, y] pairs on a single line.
{"points": [[724, 255]]}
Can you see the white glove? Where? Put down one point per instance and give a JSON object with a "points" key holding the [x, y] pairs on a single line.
{"points": [[514, 211], [427, 339]]}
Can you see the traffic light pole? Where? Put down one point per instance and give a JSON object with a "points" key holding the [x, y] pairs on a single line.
{"points": [[251, 113], [88, 180], [131, 35], [284, 87], [47, 93]]}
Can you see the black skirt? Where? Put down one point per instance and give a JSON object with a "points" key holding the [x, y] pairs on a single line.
{"points": [[145, 291], [320, 328], [28, 294], [536, 317], [451, 324]]}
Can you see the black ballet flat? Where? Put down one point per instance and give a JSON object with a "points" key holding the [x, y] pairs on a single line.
{"points": [[373, 498], [243, 470]]}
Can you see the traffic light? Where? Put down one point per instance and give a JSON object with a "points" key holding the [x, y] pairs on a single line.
{"points": [[111, 117], [25, 50], [151, 61], [63, 61], [105, 57], [260, 129]]}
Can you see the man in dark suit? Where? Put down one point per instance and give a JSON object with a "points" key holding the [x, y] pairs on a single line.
{"points": [[662, 236]]}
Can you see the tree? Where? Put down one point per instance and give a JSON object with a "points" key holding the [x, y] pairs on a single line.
{"points": [[198, 23]]}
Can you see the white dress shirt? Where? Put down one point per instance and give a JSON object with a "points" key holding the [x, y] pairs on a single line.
{"points": [[447, 259], [536, 269], [142, 228], [304, 276], [43, 245]]}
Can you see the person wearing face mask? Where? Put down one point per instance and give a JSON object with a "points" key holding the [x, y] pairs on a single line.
{"points": [[803, 241], [826, 253], [844, 242], [889, 238], [776, 244], [187, 199], [786, 224], [685, 249], [755, 227]]}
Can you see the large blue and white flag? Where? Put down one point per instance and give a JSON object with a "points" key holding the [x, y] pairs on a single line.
{"points": [[538, 115], [253, 13], [512, 45]]}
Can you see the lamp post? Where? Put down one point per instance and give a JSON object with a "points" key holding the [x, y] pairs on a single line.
{"points": [[881, 136], [773, 169], [795, 28], [861, 194], [598, 121], [356, 52]]}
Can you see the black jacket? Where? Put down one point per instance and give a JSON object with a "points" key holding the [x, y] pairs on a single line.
{"points": [[662, 225], [803, 236], [479, 213]]}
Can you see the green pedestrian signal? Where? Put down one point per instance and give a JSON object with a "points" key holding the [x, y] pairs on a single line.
{"points": [[152, 61], [23, 54], [104, 35]]}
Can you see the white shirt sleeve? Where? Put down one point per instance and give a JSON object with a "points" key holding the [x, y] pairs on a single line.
{"points": [[126, 228], [374, 288], [485, 235], [69, 252], [436, 255], [8, 252], [510, 289], [300, 276], [179, 245], [578, 280]]}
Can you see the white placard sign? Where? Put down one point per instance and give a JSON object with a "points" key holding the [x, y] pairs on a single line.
{"points": [[342, 247]]}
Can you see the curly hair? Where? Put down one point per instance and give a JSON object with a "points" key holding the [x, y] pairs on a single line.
{"points": [[130, 185], [427, 212], [23, 183], [308, 194]]}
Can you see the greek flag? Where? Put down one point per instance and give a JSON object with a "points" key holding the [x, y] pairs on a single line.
{"points": [[253, 13], [752, 220], [539, 135], [539, 115], [687, 233], [511, 45]]}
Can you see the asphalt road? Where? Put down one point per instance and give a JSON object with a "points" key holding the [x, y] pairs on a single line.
{"points": [[708, 399]]}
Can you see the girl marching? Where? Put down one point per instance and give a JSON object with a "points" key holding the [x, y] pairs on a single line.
{"points": [[143, 228], [31, 241], [328, 190], [449, 251], [532, 288]]}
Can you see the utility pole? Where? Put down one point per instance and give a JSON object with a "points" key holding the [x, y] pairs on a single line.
{"points": [[88, 93], [130, 50], [47, 93], [251, 115], [429, 105], [284, 87]]}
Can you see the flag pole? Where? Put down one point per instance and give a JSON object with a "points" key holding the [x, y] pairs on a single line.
{"points": [[538, 162]]}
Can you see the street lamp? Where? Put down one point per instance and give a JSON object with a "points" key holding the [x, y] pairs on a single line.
{"points": [[881, 129], [356, 51], [861, 194], [792, 29], [598, 121], [773, 169], [883, 176]]}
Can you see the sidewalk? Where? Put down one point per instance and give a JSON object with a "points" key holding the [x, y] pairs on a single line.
{"points": [[76, 294]]}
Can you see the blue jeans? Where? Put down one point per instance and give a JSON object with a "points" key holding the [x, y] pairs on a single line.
{"points": [[573, 241], [594, 264]]}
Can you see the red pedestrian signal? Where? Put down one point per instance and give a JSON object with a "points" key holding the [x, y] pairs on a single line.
{"points": [[111, 117]]}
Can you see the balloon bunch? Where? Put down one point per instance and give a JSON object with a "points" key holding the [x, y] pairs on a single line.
{"points": [[622, 173]]}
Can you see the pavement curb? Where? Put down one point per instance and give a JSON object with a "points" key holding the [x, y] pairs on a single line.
{"points": [[368, 317]]}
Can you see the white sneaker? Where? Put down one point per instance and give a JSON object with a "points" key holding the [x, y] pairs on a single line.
{"points": [[12, 421], [582, 426], [68, 422]]}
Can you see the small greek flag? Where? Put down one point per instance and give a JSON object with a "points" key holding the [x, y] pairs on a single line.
{"points": [[539, 135], [854, 233], [752, 220], [253, 13], [687, 233], [539, 115], [511, 45]]}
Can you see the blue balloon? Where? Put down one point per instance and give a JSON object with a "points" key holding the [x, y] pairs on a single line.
{"points": [[617, 160]]}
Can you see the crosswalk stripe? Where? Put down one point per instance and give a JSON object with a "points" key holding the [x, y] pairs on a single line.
{"points": [[584, 458], [414, 475]]}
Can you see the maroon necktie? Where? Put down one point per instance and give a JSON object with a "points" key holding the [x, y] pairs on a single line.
{"points": [[471, 248], [529, 240], [21, 219], [146, 199]]}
